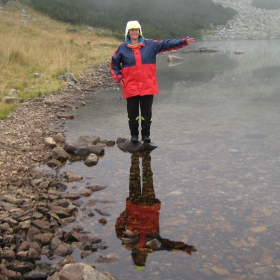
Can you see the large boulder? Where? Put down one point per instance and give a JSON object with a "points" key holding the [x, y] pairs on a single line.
{"points": [[78, 271]]}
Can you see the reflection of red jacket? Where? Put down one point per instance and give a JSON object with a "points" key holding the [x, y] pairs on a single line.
{"points": [[137, 65], [141, 219]]}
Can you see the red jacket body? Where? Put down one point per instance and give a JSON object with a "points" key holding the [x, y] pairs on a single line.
{"points": [[136, 65], [141, 219]]}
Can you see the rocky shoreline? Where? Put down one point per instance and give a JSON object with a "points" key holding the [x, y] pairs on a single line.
{"points": [[33, 205], [249, 24]]}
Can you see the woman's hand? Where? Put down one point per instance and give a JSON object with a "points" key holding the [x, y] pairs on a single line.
{"points": [[121, 83], [190, 40]]}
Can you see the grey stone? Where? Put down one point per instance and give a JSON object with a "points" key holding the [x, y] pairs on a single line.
{"points": [[127, 146], [91, 160], [80, 271], [59, 154], [35, 275]]}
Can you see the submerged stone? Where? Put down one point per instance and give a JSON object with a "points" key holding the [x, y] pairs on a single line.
{"points": [[126, 146]]}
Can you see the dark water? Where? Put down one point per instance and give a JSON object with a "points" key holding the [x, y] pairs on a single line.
{"points": [[215, 171]]}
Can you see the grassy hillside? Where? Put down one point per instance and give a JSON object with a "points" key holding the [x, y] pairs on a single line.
{"points": [[160, 19], [33, 43]]}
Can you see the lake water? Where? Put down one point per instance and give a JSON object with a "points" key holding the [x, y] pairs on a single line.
{"points": [[216, 176]]}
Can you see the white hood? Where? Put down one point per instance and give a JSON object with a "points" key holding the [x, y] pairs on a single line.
{"points": [[132, 24]]}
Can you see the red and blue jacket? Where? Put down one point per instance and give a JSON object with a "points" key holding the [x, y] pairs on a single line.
{"points": [[136, 65]]}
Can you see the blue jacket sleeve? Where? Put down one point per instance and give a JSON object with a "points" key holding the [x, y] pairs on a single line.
{"points": [[116, 65], [170, 45]]}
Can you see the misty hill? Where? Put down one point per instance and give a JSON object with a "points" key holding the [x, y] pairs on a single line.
{"points": [[160, 19]]}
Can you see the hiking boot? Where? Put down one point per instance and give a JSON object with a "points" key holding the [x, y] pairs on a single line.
{"points": [[146, 139], [134, 138]]}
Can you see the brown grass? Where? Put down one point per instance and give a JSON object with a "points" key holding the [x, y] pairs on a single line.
{"points": [[46, 47]]}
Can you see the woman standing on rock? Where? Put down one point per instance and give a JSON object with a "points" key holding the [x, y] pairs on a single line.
{"points": [[133, 66]]}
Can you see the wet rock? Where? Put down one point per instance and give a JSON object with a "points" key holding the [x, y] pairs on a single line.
{"points": [[43, 238], [7, 254], [203, 49], [22, 267], [22, 256], [72, 177], [53, 163], [80, 271], [35, 275], [87, 193], [60, 187], [55, 242], [50, 142], [41, 224], [83, 150], [68, 116], [12, 222], [59, 153], [107, 259], [59, 211], [96, 188], [32, 231], [91, 160], [109, 143], [5, 227], [220, 271], [3, 215], [71, 209], [101, 144], [8, 239], [68, 259], [25, 225], [257, 229], [90, 214], [127, 146], [24, 246], [175, 193], [102, 221], [154, 244], [93, 140], [7, 206], [128, 233], [174, 60], [34, 254], [46, 251], [62, 250], [44, 185], [238, 52], [59, 138], [85, 254], [78, 202], [84, 237], [76, 245], [263, 270], [13, 200], [9, 274], [102, 212]]}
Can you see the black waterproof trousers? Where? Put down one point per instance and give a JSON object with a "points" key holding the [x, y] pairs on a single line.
{"points": [[145, 104]]}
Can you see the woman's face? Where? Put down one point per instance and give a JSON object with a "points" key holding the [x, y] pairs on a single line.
{"points": [[134, 33]]}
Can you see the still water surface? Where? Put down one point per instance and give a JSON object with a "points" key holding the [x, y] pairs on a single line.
{"points": [[215, 170]]}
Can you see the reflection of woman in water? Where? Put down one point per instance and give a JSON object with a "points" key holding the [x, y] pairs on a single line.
{"points": [[138, 225]]}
